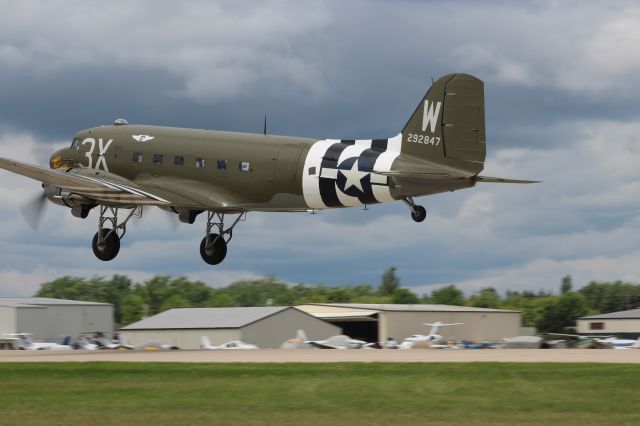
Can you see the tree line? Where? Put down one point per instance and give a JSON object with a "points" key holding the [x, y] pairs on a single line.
{"points": [[546, 311]]}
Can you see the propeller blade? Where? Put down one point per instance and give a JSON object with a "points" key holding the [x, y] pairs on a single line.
{"points": [[33, 210], [174, 222]]}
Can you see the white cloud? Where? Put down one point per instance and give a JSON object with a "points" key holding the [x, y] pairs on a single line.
{"points": [[218, 49]]}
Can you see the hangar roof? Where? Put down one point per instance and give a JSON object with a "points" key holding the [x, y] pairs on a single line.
{"points": [[409, 308], [24, 302], [190, 318], [630, 314]]}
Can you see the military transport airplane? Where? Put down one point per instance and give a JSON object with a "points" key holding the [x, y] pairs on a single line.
{"points": [[189, 171]]}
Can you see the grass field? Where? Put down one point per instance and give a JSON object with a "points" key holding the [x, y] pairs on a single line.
{"points": [[318, 394]]}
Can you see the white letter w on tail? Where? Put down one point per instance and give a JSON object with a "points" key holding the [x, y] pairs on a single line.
{"points": [[430, 115]]}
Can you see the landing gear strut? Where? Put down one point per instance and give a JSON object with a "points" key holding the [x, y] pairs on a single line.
{"points": [[106, 242], [418, 213], [213, 247]]}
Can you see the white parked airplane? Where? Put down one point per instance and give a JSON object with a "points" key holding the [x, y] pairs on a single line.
{"points": [[25, 342], [82, 342], [147, 346], [205, 343], [335, 342], [433, 338]]}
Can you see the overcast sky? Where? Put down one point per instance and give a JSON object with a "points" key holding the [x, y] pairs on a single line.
{"points": [[562, 83]]}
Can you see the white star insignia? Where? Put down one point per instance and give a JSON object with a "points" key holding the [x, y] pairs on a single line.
{"points": [[354, 177]]}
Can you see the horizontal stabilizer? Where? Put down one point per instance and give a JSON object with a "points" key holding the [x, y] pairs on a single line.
{"points": [[487, 179]]}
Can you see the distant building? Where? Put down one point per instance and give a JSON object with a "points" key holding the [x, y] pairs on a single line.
{"points": [[267, 327], [623, 324], [378, 322], [52, 319]]}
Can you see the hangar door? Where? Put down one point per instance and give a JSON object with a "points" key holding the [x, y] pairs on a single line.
{"points": [[357, 325]]}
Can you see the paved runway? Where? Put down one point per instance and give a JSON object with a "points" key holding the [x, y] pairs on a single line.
{"points": [[279, 355]]}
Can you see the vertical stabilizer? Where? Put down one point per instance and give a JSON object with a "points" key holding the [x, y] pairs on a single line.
{"points": [[448, 126]]}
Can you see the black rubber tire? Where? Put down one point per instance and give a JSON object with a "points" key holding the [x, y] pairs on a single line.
{"points": [[217, 253], [418, 213], [109, 249]]}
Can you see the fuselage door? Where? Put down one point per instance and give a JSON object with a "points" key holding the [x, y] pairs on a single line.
{"points": [[286, 170]]}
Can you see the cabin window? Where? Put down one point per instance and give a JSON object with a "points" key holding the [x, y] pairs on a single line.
{"points": [[222, 164], [178, 160], [245, 166], [75, 144], [312, 170], [201, 162], [596, 326], [158, 158], [137, 157]]}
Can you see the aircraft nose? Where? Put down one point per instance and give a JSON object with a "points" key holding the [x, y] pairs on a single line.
{"points": [[60, 158]]}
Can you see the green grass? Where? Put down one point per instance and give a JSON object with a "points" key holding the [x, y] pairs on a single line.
{"points": [[318, 394]]}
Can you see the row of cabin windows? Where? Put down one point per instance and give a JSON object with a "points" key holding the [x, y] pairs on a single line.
{"points": [[200, 163]]}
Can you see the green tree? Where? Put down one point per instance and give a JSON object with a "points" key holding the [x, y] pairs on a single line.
{"points": [[390, 282], [175, 301], [487, 298], [565, 286], [449, 295], [404, 296], [220, 299], [559, 314], [133, 308]]}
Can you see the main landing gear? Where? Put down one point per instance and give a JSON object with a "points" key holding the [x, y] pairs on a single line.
{"points": [[106, 242], [213, 247], [418, 213]]}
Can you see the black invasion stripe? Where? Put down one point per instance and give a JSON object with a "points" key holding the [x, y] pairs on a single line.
{"points": [[348, 141], [327, 185], [379, 144], [371, 155]]}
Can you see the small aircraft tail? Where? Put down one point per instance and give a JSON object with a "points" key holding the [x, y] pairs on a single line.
{"points": [[435, 327], [300, 334], [205, 343], [447, 128]]}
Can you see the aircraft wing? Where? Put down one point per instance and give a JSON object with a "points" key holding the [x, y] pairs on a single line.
{"points": [[321, 345], [99, 188]]}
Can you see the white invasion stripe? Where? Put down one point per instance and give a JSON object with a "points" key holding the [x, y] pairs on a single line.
{"points": [[329, 173], [124, 188], [382, 193], [311, 183]]}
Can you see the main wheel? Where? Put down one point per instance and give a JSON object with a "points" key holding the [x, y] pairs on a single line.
{"points": [[216, 252], [108, 248], [418, 213]]}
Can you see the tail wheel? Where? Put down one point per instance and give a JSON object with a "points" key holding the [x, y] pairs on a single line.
{"points": [[109, 245], [215, 251], [418, 213]]}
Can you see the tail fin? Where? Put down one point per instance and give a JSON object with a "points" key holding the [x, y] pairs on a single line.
{"points": [[300, 334], [66, 341], [448, 126], [205, 343]]}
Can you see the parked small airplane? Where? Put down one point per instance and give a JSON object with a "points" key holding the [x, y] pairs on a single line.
{"points": [[82, 342], [146, 346], [298, 342], [433, 338], [205, 343], [335, 342], [188, 171], [26, 343]]}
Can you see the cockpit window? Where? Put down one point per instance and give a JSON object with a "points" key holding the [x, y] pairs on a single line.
{"points": [[75, 144]]}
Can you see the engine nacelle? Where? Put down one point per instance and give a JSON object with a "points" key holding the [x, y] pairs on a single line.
{"points": [[79, 204]]}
